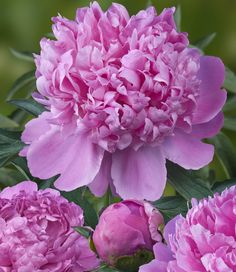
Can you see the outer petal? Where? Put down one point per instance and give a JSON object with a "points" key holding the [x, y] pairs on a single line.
{"points": [[103, 177], [162, 252], [139, 174], [74, 157], [209, 129], [187, 151], [211, 98], [36, 127], [27, 186], [170, 228]]}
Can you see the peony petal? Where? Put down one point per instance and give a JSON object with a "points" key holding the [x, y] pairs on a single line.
{"points": [[36, 127], [139, 174], [154, 266], [170, 228], [74, 157], [211, 98], [84, 166], [103, 178], [187, 151], [209, 129], [26, 186], [162, 252]]}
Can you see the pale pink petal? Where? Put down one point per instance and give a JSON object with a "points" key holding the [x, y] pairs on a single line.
{"points": [[83, 167], [36, 127], [187, 151], [103, 177], [209, 129], [211, 98], [154, 266], [139, 174]]}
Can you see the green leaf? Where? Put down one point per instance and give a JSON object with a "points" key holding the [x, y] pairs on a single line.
{"points": [[29, 105], [230, 123], [21, 165], [177, 17], [221, 186], [187, 183], [230, 80], [171, 206], [205, 41], [230, 104], [21, 82], [9, 177], [26, 56], [78, 197], [105, 268], [132, 263], [10, 145], [226, 153], [85, 232], [6, 122]]}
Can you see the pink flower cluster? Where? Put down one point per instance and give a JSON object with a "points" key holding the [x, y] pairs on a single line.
{"points": [[125, 228], [124, 94], [204, 241], [36, 232]]}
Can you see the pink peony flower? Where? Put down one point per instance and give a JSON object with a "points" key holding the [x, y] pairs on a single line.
{"points": [[125, 228], [205, 241], [124, 94], [36, 232]]}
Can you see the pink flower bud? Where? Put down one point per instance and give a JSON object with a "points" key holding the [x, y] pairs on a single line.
{"points": [[125, 228]]}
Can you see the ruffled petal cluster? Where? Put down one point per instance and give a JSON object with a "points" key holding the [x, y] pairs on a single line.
{"points": [[123, 95], [36, 232], [204, 241], [125, 228]]}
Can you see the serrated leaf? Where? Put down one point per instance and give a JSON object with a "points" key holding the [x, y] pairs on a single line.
{"points": [[205, 41], [230, 80], [177, 17], [221, 186], [186, 183], [78, 197], [21, 82], [26, 56], [230, 123], [171, 206], [6, 122], [29, 105], [226, 153]]}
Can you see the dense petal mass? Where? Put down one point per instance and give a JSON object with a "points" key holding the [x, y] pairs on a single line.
{"points": [[37, 232], [204, 241], [139, 173], [129, 83]]}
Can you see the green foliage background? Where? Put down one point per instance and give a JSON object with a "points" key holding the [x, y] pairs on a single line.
{"points": [[24, 22]]}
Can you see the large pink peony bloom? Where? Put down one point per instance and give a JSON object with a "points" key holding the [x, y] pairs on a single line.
{"points": [[124, 94], [36, 232], [125, 228], [205, 241]]}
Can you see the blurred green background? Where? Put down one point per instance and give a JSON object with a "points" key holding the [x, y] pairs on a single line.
{"points": [[24, 22]]}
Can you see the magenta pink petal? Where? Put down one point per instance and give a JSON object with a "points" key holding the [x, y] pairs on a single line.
{"points": [[28, 186], [139, 174]]}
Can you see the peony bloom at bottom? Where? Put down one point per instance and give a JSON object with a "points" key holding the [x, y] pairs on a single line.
{"points": [[128, 229], [36, 232], [204, 241]]}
